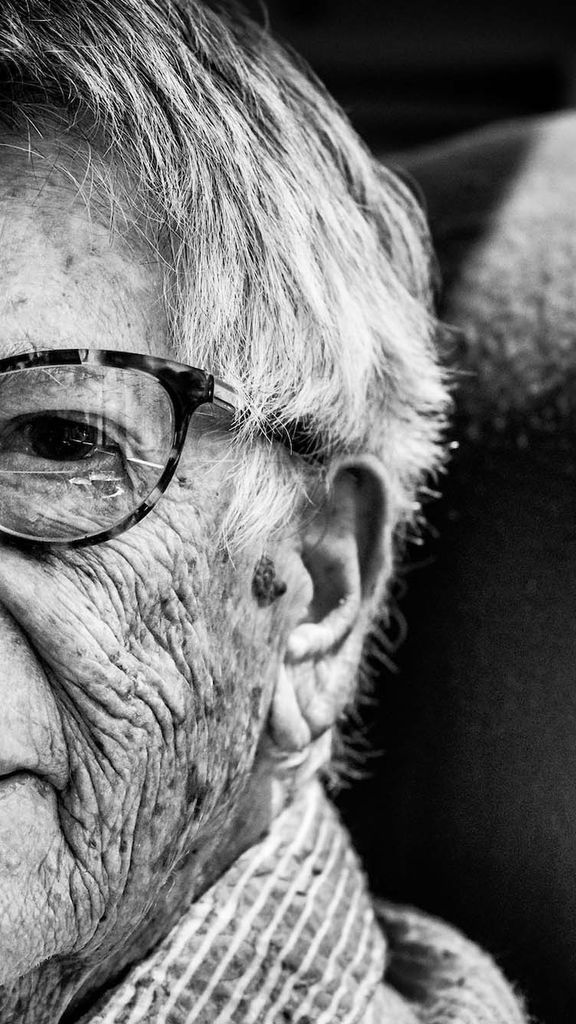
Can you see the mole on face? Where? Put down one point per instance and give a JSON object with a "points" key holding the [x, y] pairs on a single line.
{"points": [[265, 587]]}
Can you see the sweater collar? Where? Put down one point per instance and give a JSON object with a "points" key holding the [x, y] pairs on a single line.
{"points": [[289, 933]]}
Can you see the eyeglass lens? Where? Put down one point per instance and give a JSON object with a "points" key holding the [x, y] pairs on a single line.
{"points": [[81, 448]]}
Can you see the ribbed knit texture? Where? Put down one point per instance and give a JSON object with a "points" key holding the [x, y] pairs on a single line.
{"points": [[289, 934]]}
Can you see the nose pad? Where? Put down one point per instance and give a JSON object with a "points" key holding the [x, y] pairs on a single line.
{"points": [[31, 734]]}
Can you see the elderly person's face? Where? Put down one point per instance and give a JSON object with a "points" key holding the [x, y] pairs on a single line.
{"points": [[129, 714], [137, 674]]}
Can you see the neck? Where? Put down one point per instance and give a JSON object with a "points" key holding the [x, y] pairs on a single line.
{"points": [[252, 947], [41, 995]]}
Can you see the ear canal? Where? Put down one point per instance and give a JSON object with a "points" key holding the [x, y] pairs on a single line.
{"points": [[343, 553], [371, 532], [347, 551]]}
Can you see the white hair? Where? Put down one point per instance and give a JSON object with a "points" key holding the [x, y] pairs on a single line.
{"points": [[298, 267]]}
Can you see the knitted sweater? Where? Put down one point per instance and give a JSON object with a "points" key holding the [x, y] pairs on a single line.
{"points": [[289, 934]]}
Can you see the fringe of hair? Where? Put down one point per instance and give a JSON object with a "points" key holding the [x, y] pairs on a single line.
{"points": [[297, 268]]}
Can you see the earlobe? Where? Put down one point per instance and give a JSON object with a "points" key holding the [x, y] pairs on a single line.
{"points": [[345, 553]]}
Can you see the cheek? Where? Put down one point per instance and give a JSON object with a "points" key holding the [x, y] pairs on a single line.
{"points": [[161, 707]]}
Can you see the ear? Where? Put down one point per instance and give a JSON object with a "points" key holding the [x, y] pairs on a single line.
{"points": [[346, 552]]}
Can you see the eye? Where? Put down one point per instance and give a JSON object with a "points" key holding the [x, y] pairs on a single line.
{"points": [[81, 448], [55, 437]]}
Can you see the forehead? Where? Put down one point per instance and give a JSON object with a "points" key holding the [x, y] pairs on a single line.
{"points": [[73, 272]]}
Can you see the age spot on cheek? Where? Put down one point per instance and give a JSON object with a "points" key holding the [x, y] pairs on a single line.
{"points": [[265, 587]]}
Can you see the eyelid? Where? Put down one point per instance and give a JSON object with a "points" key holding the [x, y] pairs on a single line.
{"points": [[110, 425], [68, 415]]}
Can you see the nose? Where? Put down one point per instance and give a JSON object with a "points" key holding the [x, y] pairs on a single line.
{"points": [[31, 736]]}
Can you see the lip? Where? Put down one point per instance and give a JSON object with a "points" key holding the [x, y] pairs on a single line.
{"points": [[50, 774], [16, 779]]}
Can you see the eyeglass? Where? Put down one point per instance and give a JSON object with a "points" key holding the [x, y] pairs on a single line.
{"points": [[90, 439]]}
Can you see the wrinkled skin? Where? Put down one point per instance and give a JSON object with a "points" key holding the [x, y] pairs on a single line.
{"points": [[134, 712]]}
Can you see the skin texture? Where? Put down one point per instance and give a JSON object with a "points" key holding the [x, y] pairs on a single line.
{"points": [[154, 702], [136, 717]]}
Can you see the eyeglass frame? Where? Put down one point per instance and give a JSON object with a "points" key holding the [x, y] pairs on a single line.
{"points": [[188, 387]]}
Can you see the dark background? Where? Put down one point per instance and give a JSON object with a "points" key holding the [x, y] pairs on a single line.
{"points": [[419, 70]]}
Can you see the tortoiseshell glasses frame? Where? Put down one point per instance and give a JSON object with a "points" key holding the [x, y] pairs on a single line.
{"points": [[187, 388]]}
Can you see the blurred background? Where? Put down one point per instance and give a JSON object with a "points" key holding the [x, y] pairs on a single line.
{"points": [[412, 72]]}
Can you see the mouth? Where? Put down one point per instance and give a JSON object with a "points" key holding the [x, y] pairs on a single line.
{"points": [[22, 760], [29, 831], [14, 780]]}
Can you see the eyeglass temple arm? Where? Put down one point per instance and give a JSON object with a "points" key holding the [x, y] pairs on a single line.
{"points": [[297, 437], [225, 397]]}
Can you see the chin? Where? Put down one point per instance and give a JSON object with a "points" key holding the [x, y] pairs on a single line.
{"points": [[36, 911]]}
